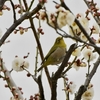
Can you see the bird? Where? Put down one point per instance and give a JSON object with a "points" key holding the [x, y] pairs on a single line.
{"points": [[56, 54]]}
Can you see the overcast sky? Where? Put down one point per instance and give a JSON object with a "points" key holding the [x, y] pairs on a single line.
{"points": [[22, 44]]}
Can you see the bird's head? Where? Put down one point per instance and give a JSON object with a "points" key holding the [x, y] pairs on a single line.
{"points": [[60, 41]]}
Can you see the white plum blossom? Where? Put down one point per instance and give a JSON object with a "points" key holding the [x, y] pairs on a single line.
{"points": [[51, 17], [77, 64], [83, 37], [89, 93], [75, 31], [76, 52], [70, 18], [72, 87], [84, 21], [61, 19], [88, 54], [19, 63], [75, 27], [65, 17], [74, 65]]}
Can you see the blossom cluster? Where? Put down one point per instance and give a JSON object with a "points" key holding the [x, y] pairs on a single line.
{"points": [[87, 53], [62, 17], [59, 18], [19, 64]]}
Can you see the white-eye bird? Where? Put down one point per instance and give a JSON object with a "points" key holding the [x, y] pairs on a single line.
{"points": [[56, 54]]}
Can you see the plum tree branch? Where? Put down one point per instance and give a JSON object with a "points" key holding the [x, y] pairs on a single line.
{"points": [[19, 21], [41, 88], [93, 71], [65, 61], [91, 42], [96, 19], [40, 49], [38, 43], [14, 13], [81, 27], [11, 84], [83, 88], [58, 73]]}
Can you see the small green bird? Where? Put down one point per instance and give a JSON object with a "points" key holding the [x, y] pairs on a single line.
{"points": [[56, 54]]}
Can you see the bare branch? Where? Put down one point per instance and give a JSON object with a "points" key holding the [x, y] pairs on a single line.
{"points": [[40, 49], [41, 88], [14, 13], [38, 42], [66, 35], [19, 21]]}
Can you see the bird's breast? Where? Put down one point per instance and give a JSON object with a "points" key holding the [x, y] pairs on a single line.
{"points": [[58, 55]]}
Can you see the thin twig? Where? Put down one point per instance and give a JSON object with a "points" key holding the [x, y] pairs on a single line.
{"points": [[96, 19], [69, 67], [93, 71], [35, 79], [19, 21], [66, 92], [66, 35], [31, 5], [26, 5], [14, 13], [21, 7], [40, 49]]}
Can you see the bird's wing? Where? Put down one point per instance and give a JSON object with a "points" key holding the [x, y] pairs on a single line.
{"points": [[49, 53]]}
